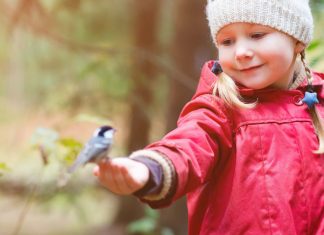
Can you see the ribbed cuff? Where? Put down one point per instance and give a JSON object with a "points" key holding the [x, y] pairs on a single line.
{"points": [[167, 170], [155, 182]]}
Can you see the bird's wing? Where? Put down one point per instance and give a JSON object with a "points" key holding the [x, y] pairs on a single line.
{"points": [[89, 152]]}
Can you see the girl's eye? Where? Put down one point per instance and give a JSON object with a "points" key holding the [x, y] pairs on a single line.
{"points": [[226, 42], [257, 35]]}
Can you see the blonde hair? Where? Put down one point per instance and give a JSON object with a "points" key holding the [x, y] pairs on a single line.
{"points": [[227, 90], [316, 118]]}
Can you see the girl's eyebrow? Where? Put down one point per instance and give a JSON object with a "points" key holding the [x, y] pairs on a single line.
{"points": [[222, 37], [224, 33], [262, 27]]}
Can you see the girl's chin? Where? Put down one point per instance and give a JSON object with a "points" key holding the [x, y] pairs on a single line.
{"points": [[255, 86]]}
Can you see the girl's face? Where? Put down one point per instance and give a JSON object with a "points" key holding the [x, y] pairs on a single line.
{"points": [[257, 56]]}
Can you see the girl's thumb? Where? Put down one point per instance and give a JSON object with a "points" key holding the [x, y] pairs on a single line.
{"points": [[96, 171]]}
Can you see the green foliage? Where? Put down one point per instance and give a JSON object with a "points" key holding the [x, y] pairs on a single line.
{"points": [[71, 149], [78, 43], [314, 45], [148, 225], [3, 168], [315, 51], [52, 145], [107, 75], [45, 138]]}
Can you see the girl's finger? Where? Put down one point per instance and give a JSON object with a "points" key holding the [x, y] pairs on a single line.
{"points": [[130, 181], [96, 171], [119, 180], [106, 177]]}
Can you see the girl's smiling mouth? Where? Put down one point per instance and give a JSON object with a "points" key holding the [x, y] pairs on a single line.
{"points": [[252, 68]]}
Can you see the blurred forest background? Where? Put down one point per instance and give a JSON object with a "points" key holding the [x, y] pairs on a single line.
{"points": [[69, 66]]}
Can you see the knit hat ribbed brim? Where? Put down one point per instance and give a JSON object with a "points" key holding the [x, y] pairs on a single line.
{"points": [[293, 17]]}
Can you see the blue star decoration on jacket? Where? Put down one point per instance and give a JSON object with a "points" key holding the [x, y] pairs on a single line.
{"points": [[310, 99]]}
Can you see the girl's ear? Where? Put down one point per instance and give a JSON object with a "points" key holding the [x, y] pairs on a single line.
{"points": [[299, 47]]}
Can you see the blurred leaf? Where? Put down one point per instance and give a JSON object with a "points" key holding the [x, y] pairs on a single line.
{"points": [[146, 225], [71, 148], [70, 143], [44, 137], [315, 60], [167, 231], [151, 213], [314, 45], [316, 54], [44, 140], [48, 140], [3, 168], [91, 67], [143, 226]]}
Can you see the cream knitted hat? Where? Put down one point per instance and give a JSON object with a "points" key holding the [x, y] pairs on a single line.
{"points": [[293, 17]]}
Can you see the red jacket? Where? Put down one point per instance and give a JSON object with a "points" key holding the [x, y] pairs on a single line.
{"points": [[248, 171]]}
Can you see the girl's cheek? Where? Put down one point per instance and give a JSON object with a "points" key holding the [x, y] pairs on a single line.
{"points": [[225, 63], [225, 56]]}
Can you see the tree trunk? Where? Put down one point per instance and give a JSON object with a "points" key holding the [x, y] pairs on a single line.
{"points": [[191, 47], [144, 71]]}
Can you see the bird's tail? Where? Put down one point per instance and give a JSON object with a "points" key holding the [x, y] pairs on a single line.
{"points": [[72, 168]]}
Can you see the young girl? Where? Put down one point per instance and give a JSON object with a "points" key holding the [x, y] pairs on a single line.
{"points": [[248, 149]]}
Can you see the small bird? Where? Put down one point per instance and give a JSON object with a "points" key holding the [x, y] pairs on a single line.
{"points": [[96, 148]]}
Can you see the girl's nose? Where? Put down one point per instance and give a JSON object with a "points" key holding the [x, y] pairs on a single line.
{"points": [[243, 52]]}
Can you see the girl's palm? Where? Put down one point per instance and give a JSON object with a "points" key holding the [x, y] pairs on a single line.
{"points": [[122, 176]]}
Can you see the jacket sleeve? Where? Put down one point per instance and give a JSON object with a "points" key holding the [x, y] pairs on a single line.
{"points": [[203, 135]]}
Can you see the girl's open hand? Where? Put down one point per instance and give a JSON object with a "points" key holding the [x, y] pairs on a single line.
{"points": [[122, 176]]}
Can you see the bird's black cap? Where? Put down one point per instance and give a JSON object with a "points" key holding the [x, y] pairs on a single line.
{"points": [[103, 129]]}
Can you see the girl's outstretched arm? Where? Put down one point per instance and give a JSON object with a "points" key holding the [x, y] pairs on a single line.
{"points": [[122, 176]]}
